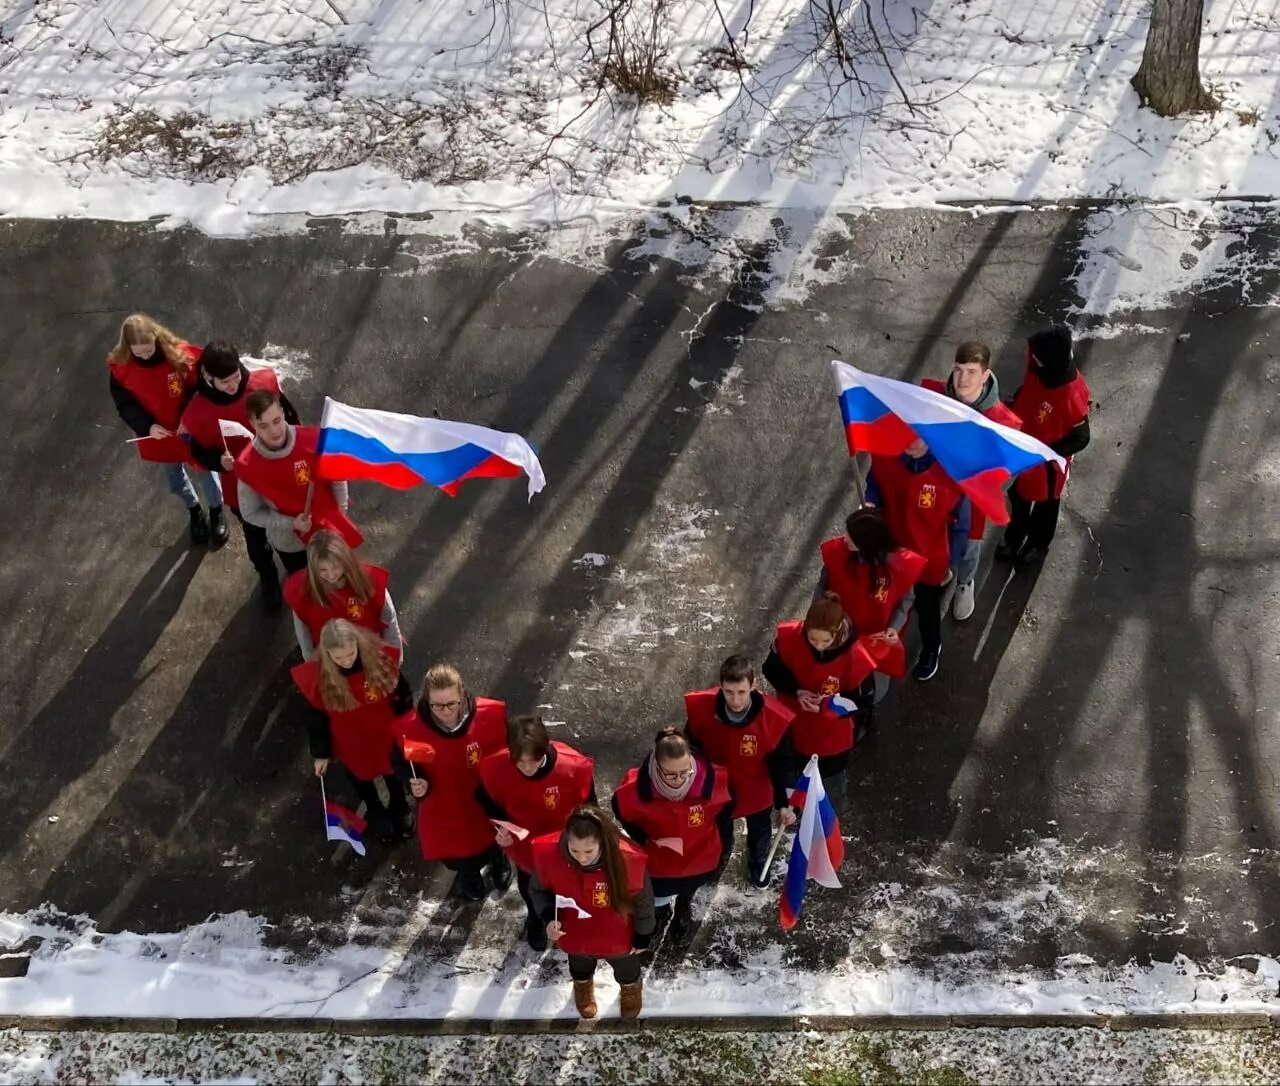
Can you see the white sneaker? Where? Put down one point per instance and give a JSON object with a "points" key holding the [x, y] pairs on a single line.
{"points": [[962, 605]]}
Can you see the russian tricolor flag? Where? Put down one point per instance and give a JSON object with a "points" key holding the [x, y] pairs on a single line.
{"points": [[401, 451], [343, 824], [818, 849], [883, 416]]}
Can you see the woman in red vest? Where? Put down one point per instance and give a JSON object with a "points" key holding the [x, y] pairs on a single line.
{"points": [[1053, 404], [533, 785], [809, 663], [749, 734], [222, 387], [678, 807], [442, 746], [153, 373], [337, 584], [356, 692], [872, 577], [591, 890]]}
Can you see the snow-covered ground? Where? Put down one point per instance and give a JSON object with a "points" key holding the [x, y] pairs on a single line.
{"points": [[219, 112]]}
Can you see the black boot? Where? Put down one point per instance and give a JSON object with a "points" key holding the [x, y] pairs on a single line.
{"points": [[500, 871], [470, 884], [218, 527], [681, 930], [269, 589], [535, 933], [199, 525]]}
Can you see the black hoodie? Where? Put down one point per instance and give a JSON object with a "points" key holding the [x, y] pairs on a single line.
{"points": [[211, 458]]}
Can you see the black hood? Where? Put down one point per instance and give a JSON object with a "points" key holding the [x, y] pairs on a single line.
{"points": [[1051, 356]]}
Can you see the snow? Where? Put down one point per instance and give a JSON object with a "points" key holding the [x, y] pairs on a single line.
{"points": [[223, 113]]}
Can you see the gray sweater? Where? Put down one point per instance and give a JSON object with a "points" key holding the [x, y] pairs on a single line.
{"points": [[258, 511]]}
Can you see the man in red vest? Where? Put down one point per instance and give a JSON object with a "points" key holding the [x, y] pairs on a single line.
{"points": [[223, 386], [1053, 404], [973, 384], [929, 514]]}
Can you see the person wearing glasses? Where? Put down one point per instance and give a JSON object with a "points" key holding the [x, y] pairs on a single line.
{"points": [[678, 807], [442, 744]]}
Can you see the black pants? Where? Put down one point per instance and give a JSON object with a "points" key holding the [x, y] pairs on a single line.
{"points": [[522, 884], [1031, 523], [396, 811], [474, 866], [759, 838], [255, 542], [928, 609], [626, 969], [293, 560]]}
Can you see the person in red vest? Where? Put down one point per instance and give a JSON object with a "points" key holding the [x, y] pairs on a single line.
{"points": [[1053, 404], [738, 727], [678, 807], [928, 513], [973, 384], [442, 746], [153, 373], [873, 579], [592, 891], [809, 663], [222, 387], [356, 691], [534, 784], [337, 584]]}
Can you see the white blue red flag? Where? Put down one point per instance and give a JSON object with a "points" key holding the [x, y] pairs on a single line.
{"points": [[883, 416], [343, 824], [403, 451], [818, 849]]}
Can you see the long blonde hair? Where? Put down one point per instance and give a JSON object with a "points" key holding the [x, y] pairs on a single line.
{"points": [[379, 673], [330, 546], [139, 328]]}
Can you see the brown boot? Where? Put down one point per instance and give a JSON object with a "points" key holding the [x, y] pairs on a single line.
{"points": [[584, 997], [632, 999]]}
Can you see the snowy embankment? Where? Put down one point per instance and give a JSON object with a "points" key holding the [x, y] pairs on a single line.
{"points": [[220, 113]]}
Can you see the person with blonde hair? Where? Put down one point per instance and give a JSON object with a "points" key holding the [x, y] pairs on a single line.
{"points": [[611, 916], [337, 584], [355, 691], [153, 375], [447, 738]]}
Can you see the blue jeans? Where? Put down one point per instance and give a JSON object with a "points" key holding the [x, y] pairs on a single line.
{"points": [[176, 476], [967, 568]]}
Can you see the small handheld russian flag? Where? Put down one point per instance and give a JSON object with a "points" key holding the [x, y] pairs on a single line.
{"points": [[343, 824], [818, 849]]}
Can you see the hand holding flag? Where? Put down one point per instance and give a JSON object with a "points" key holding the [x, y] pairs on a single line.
{"points": [[518, 832], [817, 850], [231, 428]]}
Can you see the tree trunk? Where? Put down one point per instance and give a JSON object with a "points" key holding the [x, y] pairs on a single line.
{"points": [[1168, 79]]}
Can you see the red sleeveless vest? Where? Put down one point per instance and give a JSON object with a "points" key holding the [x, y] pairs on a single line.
{"points": [[200, 420], [821, 733], [605, 933], [362, 736], [345, 605], [162, 392], [742, 750], [692, 819], [1049, 414], [917, 508], [869, 606]]}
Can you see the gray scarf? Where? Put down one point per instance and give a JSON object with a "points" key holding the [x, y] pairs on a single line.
{"points": [[665, 790]]}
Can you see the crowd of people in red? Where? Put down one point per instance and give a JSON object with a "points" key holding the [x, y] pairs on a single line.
{"points": [[494, 797]]}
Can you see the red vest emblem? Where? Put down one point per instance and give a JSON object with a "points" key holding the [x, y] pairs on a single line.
{"points": [[301, 472], [354, 610], [473, 754], [697, 816], [600, 895], [882, 588], [175, 385], [371, 693], [830, 685], [551, 798], [928, 495], [748, 745], [1046, 409]]}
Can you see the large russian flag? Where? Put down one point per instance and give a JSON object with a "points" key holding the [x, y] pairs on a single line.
{"points": [[883, 416], [818, 849], [403, 451]]}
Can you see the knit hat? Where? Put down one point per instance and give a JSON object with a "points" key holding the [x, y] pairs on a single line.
{"points": [[1051, 350]]}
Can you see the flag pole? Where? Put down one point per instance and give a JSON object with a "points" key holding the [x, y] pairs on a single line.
{"points": [[306, 506], [857, 478], [773, 852]]}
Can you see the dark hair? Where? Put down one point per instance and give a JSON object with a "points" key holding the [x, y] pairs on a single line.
{"points": [[220, 359], [826, 614], [527, 735], [871, 535], [737, 668], [971, 352], [260, 401], [669, 743], [591, 823]]}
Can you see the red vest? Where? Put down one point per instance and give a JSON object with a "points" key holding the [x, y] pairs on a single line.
{"points": [[541, 806], [824, 732], [741, 749], [917, 508], [997, 412], [1049, 414], [345, 605], [200, 420], [162, 392], [362, 736], [284, 483], [869, 606], [692, 819], [451, 822], [606, 933]]}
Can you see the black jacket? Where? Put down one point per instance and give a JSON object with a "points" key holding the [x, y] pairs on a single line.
{"points": [[784, 682]]}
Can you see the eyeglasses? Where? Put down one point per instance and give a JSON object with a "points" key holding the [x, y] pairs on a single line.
{"points": [[674, 775], [444, 706]]}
